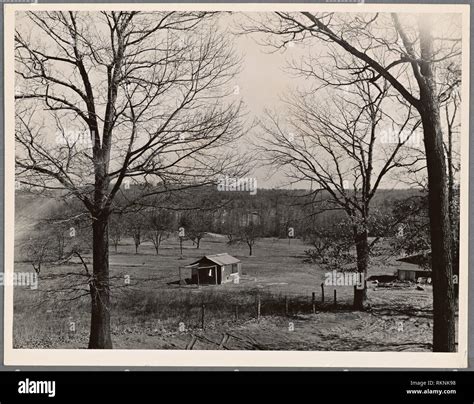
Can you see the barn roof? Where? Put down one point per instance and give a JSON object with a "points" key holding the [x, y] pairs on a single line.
{"points": [[219, 259], [416, 259]]}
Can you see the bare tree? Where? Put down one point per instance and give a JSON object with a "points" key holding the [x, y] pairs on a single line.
{"points": [[38, 250], [197, 224], [346, 147], [55, 238], [117, 229], [331, 245], [135, 223], [249, 234], [158, 227], [132, 97], [405, 52]]}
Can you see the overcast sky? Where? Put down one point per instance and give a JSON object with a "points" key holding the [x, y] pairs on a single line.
{"points": [[263, 83]]}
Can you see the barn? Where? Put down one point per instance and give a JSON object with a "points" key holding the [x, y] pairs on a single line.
{"points": [[412, 268], [215, 270]]}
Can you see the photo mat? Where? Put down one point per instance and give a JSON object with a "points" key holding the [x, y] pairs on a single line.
{"points": [[228, 235]]}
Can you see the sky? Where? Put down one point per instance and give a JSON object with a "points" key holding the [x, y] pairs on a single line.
{"points": [[263, 83]]}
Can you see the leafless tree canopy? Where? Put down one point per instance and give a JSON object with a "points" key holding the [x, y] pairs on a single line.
{"points": [[131, 95]]}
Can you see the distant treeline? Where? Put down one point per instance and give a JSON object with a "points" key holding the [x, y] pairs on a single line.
{"points": [[274, 211]]}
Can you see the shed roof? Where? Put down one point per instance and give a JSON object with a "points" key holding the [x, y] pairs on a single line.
{"points": [[219, 259], [416, 259]]}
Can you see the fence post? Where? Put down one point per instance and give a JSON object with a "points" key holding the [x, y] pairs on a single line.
{"points": [[313, 301], [258, 306], [322, 292], [335, 298], [202, 315], [224, 339], [236, 312], [286, 306], [192, 342]]}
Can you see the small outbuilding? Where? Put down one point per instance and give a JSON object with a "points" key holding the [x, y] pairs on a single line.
{"points": [[412, 267], [215, 270]]}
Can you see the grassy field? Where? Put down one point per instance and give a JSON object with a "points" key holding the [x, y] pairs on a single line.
{"points": [[150, 310]]}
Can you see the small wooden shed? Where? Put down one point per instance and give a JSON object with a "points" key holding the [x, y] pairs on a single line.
{"points": [[411, 267], [216, 269]]}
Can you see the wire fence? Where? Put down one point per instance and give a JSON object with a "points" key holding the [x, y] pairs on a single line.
{"points": [[200, 306]]}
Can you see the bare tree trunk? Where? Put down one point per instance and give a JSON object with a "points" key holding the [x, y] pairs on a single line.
{"points": [[250, 249], [99, 286], [362, 250], [450, 174], [440, 229], [452, 219], [438, 196]]}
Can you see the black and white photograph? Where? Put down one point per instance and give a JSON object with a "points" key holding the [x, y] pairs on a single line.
{"points": [[229, 184]]}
